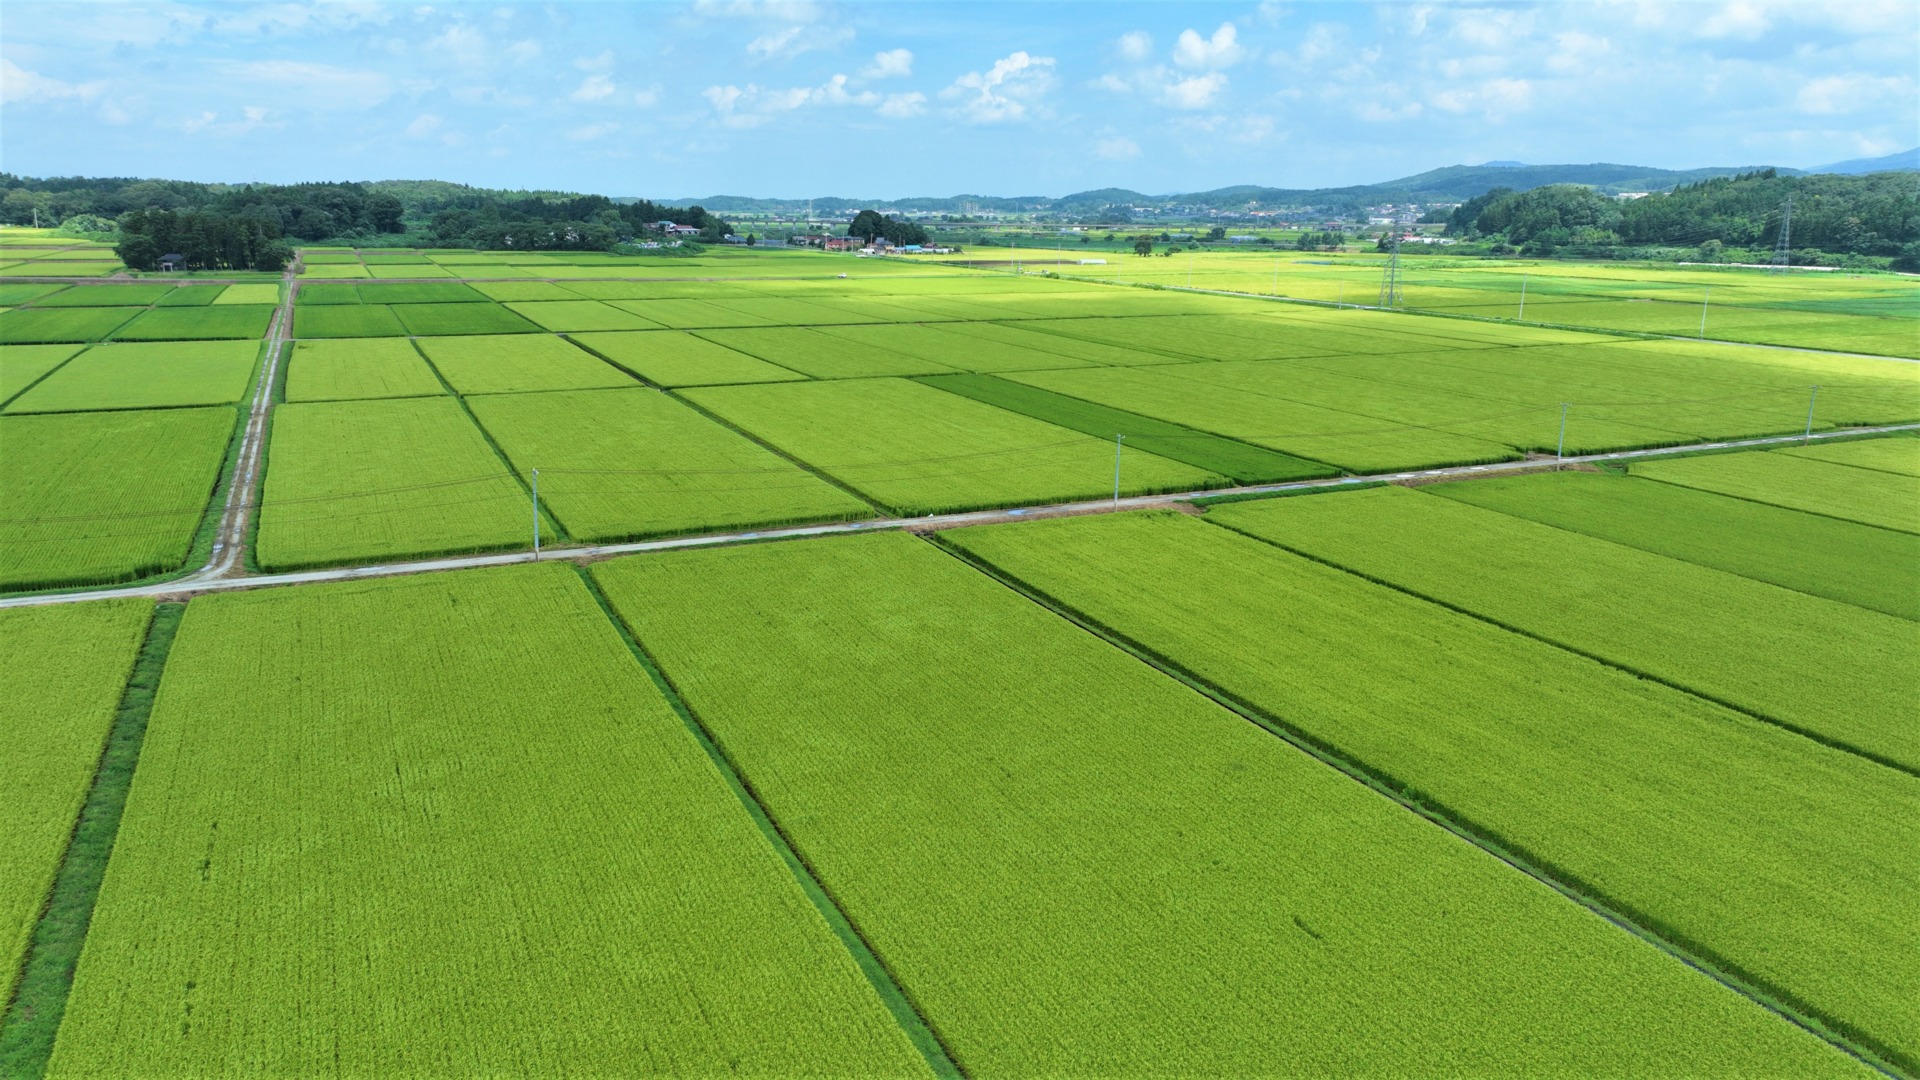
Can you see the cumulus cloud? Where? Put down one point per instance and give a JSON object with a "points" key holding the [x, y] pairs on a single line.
{"points": [[423, 125], [1222, 50], [1135, 46], [1838, 94], [594, 88], [316, 84], [890, 64], [521, 52], [1011, 89], [794, 40], [902, 106], [1116, 148], [602, 62], [752, 105], [18, 85], [1742, 20], [1194, 93]]}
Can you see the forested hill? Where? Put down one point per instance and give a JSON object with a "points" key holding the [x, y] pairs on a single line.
{"points": [[1874, 214]]}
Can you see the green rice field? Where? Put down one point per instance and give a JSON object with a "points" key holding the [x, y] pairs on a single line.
{"points": [[932, 670]]}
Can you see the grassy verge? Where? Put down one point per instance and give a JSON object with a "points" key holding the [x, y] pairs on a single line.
{"points": [[40, 1001]]}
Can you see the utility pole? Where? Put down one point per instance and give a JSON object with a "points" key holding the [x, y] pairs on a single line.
{"points": [[1808, 437], [1704, 300], [1390, 281], [1783, 251], [1117, 440], [1522, 317], [1560, 452], [536, 513]]}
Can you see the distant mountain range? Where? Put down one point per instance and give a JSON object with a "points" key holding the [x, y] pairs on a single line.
{"points": [[1454, 183]]}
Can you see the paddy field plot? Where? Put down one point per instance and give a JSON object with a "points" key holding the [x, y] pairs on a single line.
{"points": [[248, 294], [1830, 670], [917, 450], [423, 320], [822, 356], [333, 370], [507, 363], [198, 323], [14, 293], [367, 481], [345, 321], [62, 669], [320, 869], [420, 292], [1098, 850], [1899, 455], [1244, 462], [960, 353], [146, 376], [327, 294], [630, 464], [689, 314], [576, 315], [674, 358], [1888, 500], [1714, 829], [503, 291], [1346, 440], [1840, 560], [89, 498], [1035, 336], [106, 296], [35, 325], [197, 296], [23, 365]]}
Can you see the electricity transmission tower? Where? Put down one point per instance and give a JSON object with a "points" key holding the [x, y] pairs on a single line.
{"points": [[1390, 280], [1783, 251]]}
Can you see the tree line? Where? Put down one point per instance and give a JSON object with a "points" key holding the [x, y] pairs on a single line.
{"points": [[1877, 214]]}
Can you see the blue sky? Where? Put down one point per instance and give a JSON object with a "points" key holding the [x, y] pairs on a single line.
{"points": [[798, 97]]}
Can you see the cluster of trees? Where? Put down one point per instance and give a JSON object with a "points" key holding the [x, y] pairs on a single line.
{"points": [[207, 241], [308, 212], [487, 221], [1319, 241], [870, 226], [1873, 215]]}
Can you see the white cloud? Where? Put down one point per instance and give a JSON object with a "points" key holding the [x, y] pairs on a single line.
{"points": [[1222, 50], [902, 106], [1135, 46], [647, 98], [794, 40], [594, 88], [1839, 94], [252, 118], [1494, 98], [281, 18], [1743, 20], [602, 62], [316, 84], [17, 85], [1376, 113], [521, 52], [464, 44], [423, 125], [1577, 53], [889, 64], [1117, 148], [1194, 93], [590, 132], [780, 10], [1010, 90]]}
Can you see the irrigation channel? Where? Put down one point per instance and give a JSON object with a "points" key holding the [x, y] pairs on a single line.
{"points": [[225, 571]]}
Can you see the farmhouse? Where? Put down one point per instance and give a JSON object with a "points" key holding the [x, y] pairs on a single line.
{"points": [[175, 261]]}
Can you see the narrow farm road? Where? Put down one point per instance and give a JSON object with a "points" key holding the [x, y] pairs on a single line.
{"points": [[225, 572], [229, 542]]}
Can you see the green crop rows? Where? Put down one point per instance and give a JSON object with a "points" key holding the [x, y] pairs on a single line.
{"points": [[146, 376], [664, 935], [1097, 851], [1873, 496]]}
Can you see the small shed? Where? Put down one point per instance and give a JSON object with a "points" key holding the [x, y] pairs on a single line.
{"points": [[175, 261]]}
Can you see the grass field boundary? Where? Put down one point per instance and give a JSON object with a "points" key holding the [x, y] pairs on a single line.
{"points": [[905, 1012], [39, 999], [546, 512], [1419, 803], [1813, 736], [249, 541]]}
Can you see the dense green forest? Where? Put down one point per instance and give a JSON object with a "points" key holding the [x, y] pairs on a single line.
{"points": [[1877, 214]]}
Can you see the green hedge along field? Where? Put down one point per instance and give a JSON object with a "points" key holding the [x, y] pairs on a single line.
{"points": [[1110, 875], [1828, 669], [1713, 829], [1840, 560], [368, 481], [94, 498], [630, 464], [319, 872], [61, 672]]}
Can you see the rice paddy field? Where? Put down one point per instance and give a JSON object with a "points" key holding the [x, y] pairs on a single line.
{"points": [[849, 724]]}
